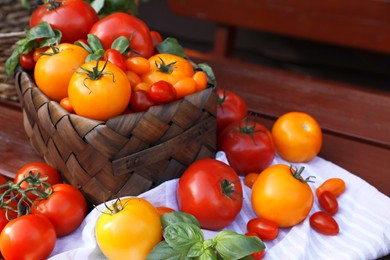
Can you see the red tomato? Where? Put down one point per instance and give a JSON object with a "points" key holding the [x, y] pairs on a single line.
{"points": [[156, 38], [162, 92], [230, 108], [118, 24], [211, 191], [3, 180], [74, 18], [28, 237], [250, 179], [334, 185], [45, 171], [248, 146], [116, 58], [265, 229], [27, 61], [328, 202], [8, 214], [260, 254], [66, 208], [324, 223], [141, 101], [162, 210]]}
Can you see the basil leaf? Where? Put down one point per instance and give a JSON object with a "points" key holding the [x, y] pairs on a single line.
{"points": [[172, 46], [209, 72], [195, 250], [178, 217], [41, 30], [120, 44], [94, 43], [208, 254], [231, 245], [54, 40], [162, 251], [182, 236]]}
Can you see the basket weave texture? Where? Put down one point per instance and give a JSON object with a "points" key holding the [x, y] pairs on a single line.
{"points": [[14, 19], [126, 155]]}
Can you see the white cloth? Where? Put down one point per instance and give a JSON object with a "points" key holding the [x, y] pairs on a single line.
{"points": [[363, 218]]}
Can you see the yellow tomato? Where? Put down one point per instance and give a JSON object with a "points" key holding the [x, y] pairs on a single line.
{"points": [[167, 67], [131, 231], [297, 137], [54, 69], [99, 95], [281, 197]]}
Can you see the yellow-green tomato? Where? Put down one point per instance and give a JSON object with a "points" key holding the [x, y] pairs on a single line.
{"points": [[281, 195], [129, 229]]}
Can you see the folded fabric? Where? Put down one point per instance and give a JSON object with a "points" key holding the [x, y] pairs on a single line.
{"points": [[363, 218]]}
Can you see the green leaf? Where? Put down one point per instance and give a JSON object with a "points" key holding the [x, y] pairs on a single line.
{"points": [[178, 217], [94, 43], [95, 56], [97, 5], [183, 236], [172, 46], [53, 40], [195, 250], [209, 72], [120, 44], [41, 30], [231, 245], [208, 254], [162, 251]]}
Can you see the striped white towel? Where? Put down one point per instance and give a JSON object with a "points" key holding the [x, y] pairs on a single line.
{"points": [[363, 217]]}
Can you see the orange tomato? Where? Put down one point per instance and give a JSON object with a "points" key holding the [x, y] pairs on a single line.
{"points": [[53, 71], [142, 86], [336, 186], [250, 179], [281, 195], [138, 64], [100, 96], [297, 137], [133, 78], [200, 78], [185, 87], [65, 104]]}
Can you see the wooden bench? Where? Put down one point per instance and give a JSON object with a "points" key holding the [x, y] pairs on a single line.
{"points": [[355, 119]]}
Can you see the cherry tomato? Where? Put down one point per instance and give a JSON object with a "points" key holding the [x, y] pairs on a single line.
{"points": [[335, 185], [263, 228], [141, 101], [133, 78], [3, 180], [65, 104], [328, 202], [142, 86], [66, 208], [248, 146], [281, 195], [185, 87], [162, 210], [100, 95], [200, 78], [27, 61], [28, 237], [118, 24], [8, 213], [73, 18], [116, 58], [156, 39], [139, 65], [130, 230], [230, 108], [250, 179], [38, 53], [45, 171], [53, 71], [162, 92], [324, 223], [297, 137], [211, 191]]}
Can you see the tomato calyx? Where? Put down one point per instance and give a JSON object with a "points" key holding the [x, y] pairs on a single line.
{"points": [[53, 5], [116, 207], [95, 73], [165, 68], [297, 174], [249, 130], [228, 189]]}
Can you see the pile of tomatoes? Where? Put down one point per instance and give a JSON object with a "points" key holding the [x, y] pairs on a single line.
{"points": [[102, 67], [37, 206]]}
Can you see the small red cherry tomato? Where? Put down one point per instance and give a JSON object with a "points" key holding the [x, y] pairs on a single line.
{"points": [[162, 210], [116, 58], [162, 91], [141, 101], [328, 202], [265, 229], [324, 223], [250, 179], [27, 61], [259, 254]]}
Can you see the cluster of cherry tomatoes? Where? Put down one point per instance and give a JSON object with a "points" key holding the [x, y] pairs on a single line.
{"points": [[36, 208], [102, 67]]}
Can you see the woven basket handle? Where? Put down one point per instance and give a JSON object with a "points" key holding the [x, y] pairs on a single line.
{"points": [[164, 150]]}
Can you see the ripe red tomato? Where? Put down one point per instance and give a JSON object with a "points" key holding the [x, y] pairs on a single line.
{"points": [[118, 24], [335, 185], [230, 108], [162, 210], [141, 101], [162, 92], [324, 223], [74, 18], [211, 191], [27, 61], [116, 58], [328, 202], [250, 179], [3, 180], [248, 146], [297, 137], [28, 237], [66, 208], [265, 229], [8, 214]]}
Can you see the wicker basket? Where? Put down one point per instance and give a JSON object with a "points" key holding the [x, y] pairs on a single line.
{"points": [[14, 20], [126, 155]]}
